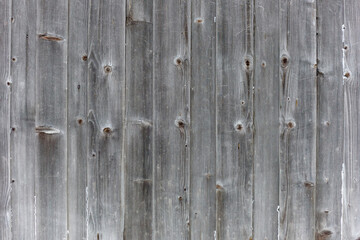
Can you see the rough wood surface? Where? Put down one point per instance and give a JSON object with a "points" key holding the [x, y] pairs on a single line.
{"points": [[350, 180], [106, 94], [139, 125], [297, 63], [51, 121], [179, 119], [5, 178], [23, 138], [171, 119], [77, 155], [234, 150], [266, 120], [330, 110], [203, 120]]}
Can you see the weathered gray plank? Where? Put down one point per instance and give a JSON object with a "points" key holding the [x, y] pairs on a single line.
{"points": [[76, 119], [330, 121], [203, 120], [350, 180], [266, 120], [23, 138], [106, 87], [234, 151], [139, 110], [297, 119], [5, 188], [51, 104], [172, 34]]}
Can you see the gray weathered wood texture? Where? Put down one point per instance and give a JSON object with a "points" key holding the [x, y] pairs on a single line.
{"points": [[171, 118], [203, 120], [51, 120], [139, 115], [5, 178], [179, 119], [76, 119], [105, 103], [234, 119], [351, 166], [297, 58], [23, 139], [266, 120], [330, 123]]}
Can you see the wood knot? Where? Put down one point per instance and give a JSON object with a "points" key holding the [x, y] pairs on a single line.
{"points": [[180, 123], [324, 234], [199, 20], [347, 75], [85, 58], [284, 61], [219, 187], [238, 126], [178, 61], [50, 37], [180, 198], [291, 124], [248, 63], [263, 64], [80, 121], [48, 130], [309, 184], [107, 130], [107, 69], [13, 59]]}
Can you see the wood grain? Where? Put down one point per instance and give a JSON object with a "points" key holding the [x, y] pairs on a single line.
{"points": [[5, 93], [139, 122], [203, 120], [171, 91], [77, 119], [23, 137], [298, 103], [234, 150], [266, 120], [179, 119], [330, 115], [50, 123], [350, 224], [106, 107]]}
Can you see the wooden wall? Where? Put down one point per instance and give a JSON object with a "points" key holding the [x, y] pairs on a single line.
{"points": [[179, 119]]}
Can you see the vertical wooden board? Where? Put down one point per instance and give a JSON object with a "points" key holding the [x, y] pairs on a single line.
{"points": [[106, 87], [297, 119], [5, 188], [171, 39], [203, 120], [266, 120], [51, 161], [23, 138], [350, 180], [234, 164], [139, 105], [76, 118], [330, 122]]}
